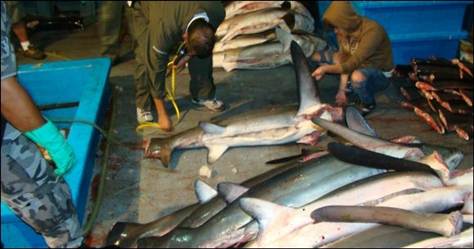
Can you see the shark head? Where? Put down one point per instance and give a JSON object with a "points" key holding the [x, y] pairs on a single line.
{"points": [[160, 149]]}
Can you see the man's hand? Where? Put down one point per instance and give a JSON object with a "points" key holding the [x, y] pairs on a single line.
{"points": [[48, 137], [181, 63], [179, 66], [319, 72], [341, 99]]}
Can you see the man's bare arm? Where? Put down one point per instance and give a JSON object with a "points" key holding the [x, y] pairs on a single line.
{"points": [[18, 107]]}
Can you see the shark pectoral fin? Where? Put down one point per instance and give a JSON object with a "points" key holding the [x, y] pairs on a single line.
{"points": [[215, 152], [274, 220], [203, 191], [211, 128], [230, 191]]}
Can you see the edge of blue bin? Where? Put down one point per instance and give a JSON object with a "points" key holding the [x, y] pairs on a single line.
{"points": [[81, 136], [361, 6], [431, 36], [391, 4]]}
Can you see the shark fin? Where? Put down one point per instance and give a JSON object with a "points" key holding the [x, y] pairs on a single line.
{"points": [[203, 191], [211, 128], [230, 191], [271, 216], [215, 152], [307, 87], [355, 121], [285, 38]]}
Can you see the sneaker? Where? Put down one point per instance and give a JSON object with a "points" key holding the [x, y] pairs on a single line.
{"points": [[144, 116], [211, 104], [33, 52]]}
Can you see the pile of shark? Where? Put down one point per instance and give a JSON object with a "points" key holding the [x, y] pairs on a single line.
{"points": [[254, 34], [315, 200]]}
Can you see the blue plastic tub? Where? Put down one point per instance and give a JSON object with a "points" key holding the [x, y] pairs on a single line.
{"points": [[416, 28], [411, 17], [84, 81], [423, 45]]}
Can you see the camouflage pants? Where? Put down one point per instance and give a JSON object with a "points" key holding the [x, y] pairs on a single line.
{"points": [[33, 192]]}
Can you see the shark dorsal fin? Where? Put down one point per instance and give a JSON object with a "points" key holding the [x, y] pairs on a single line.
{"points": [[230, 191], [203, 191], [355, 121], [307, 88], [215, 152]]}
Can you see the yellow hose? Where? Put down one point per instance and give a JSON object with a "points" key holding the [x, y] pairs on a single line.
{"points": [[170, 95]]}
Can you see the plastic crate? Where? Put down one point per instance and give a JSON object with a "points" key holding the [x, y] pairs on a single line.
{"points": [[411, 17], [423, 45], [416, 28], [84, 81]]}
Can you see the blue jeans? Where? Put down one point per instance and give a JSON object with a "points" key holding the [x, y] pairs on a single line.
{"points": [[375, 81]]}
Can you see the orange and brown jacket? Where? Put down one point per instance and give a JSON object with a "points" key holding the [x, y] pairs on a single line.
{"points": [[367, 44]]}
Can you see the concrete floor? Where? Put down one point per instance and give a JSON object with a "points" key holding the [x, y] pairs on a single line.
{"points": [[139, 190]]}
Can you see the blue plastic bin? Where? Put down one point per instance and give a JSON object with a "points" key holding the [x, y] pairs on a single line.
{"points": [[411, 17], [416, 28], [84, 81], [406, 47]]}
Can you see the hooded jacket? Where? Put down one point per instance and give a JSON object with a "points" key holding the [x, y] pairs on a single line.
{"points": [[367, 44]]}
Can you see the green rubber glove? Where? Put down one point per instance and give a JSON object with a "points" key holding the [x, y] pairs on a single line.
{"points": [[49, 137]]}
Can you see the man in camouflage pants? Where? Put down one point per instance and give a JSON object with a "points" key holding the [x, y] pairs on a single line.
{"points": [[32, 189]]}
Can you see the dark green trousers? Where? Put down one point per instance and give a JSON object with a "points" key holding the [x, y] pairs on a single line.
{"points": [[111, 15]]}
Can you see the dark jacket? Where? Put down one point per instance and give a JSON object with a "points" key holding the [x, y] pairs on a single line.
{"points": [[167, 20]]}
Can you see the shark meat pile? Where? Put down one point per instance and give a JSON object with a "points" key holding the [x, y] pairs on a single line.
{"points": [[248, 37], [441, 95], [319, 202]]}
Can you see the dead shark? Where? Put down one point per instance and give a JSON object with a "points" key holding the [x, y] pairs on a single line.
{"points": [[318, 234], [270, 129]]}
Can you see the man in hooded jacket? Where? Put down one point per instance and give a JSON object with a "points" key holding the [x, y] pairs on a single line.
{"points": [[364, 56]]}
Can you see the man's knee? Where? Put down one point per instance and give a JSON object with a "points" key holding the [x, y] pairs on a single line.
{"points": [[357, 77]]}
